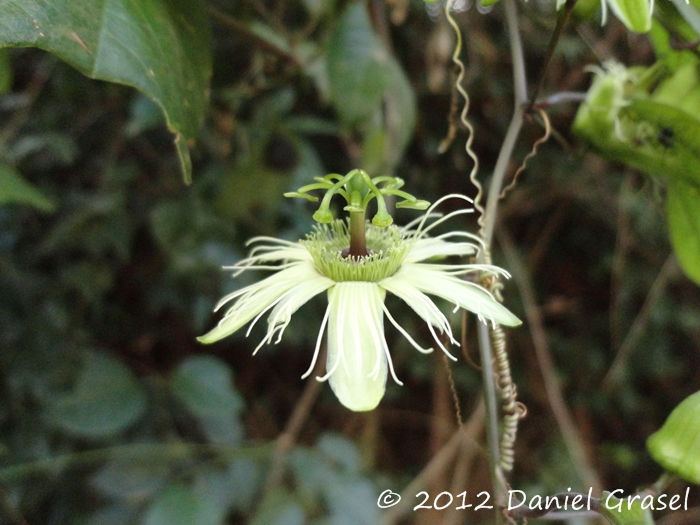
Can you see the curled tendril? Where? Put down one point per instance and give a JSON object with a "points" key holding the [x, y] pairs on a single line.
{"points": [[358, 189]]}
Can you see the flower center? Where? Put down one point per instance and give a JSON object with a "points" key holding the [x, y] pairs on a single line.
{"points": [[387, 249]]}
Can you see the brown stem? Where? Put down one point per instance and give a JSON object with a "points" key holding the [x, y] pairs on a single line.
{"points": [[558, 30]]}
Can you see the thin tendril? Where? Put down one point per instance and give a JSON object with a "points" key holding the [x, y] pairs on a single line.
{"points": [[533, 152], [463, 115]]}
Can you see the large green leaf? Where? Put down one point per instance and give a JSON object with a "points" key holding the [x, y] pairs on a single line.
{"points": [[683, 210], [625, 511], [5, 72], [357, 63], [204, 384], [279, 508], [14, 189], [676, 445], [106, 400], [160, 47], [180, 505]]}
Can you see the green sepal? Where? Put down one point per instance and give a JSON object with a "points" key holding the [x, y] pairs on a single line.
{"points": [[15, 189]]}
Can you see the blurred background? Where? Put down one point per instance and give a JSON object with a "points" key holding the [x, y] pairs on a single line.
{"points": [[110, 266]]}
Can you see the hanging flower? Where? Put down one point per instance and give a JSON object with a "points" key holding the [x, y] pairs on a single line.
{"points": [[357, 270]]}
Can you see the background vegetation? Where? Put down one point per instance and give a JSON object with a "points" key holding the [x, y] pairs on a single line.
{"points": [[111, 413]]}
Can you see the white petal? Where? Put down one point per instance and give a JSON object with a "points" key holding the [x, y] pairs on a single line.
{"points": [[258, 297], [357, 351], [464, 294]]}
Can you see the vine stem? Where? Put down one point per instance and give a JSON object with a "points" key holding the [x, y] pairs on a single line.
{"points": [[487, 230], [516, 123]]}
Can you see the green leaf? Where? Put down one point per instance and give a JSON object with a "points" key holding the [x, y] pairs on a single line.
{"points": [[311, 470], [622, 512], [235, 487], [683, 210], [180, 505], [675, 446], [204, 385], [386, 139], [129, 480], [114, 514], [279, 508], [5, 72], [341, 451], [107, 399], [357, 63], [160, 47], [352, 501], [14, 189]]}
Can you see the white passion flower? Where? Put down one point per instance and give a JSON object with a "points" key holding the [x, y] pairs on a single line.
{"points": [[399, 261]]}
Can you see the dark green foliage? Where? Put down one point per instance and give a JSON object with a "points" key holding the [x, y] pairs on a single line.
{"points": [[111, 413]]}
